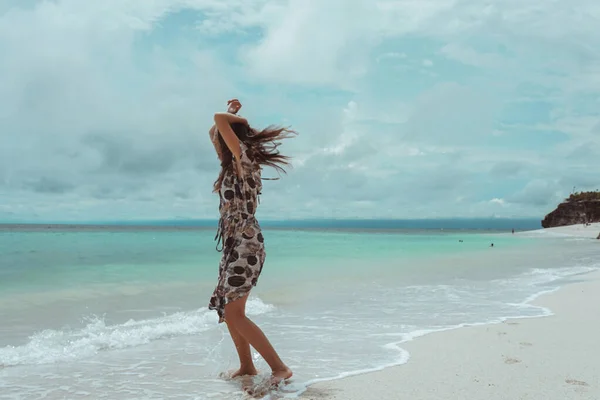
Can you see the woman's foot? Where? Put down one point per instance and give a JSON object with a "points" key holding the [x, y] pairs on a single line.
{"points": [[279, 376], [263, 388], [269, 384], [244, 372], [240, 372]]}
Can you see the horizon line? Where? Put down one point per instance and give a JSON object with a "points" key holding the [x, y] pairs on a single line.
{"points": [[311, 219], [344, 224]]}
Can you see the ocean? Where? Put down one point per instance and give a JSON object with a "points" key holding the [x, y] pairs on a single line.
{"points": [[119, 312]]}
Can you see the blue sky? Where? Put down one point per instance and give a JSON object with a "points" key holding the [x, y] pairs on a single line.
{"points": [[406, 109]]}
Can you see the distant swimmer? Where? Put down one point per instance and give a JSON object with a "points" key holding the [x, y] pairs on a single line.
{"points": [[492, 245]]}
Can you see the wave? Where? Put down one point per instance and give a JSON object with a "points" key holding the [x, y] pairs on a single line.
{"points": [[51, 346]]}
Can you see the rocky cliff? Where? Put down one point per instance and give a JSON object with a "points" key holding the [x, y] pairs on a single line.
{"points": [[579, 208]]}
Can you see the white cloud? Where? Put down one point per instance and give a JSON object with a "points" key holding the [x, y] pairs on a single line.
{"points": [[469, 56], [538, 193], [313, 42], [104, 106], [444, 114], [391, 55]]}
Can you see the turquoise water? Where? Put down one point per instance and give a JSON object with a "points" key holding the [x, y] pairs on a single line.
{"points": [[53, 259], [120, 313]]}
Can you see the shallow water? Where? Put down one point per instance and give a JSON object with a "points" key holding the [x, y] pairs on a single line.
{"points": [[121, 315]]}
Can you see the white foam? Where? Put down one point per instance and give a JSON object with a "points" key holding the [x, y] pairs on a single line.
{"points": [[50, 346], [256, 306]]}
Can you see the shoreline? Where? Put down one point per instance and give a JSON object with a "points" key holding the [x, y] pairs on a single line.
{"points": [[427, 374]]}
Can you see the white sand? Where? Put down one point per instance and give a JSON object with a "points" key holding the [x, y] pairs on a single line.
{"points": [[578, 230], [550, 358]]}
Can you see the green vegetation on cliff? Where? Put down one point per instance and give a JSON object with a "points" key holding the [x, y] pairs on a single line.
{"points": [[584, 196]]}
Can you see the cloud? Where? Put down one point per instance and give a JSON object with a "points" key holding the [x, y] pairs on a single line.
{"points": [[586, 151], [505, 169], [469, 56], [326, 39], [392, 55], [538, 193], [48, 185], [444, 114], [405, 109]]}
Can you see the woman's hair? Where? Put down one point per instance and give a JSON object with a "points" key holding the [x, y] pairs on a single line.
{"points": [[262, 148]]}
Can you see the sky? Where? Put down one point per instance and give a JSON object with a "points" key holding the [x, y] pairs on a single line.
{"points": [[405, 108]]}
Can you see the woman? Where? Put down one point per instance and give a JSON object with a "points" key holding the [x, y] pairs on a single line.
{"points": [[242, 151]]}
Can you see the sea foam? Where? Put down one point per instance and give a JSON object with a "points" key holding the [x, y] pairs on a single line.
{"points": [[50, 346]]}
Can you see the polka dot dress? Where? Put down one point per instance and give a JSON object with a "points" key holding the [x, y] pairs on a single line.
{"points": [[239, 232]]}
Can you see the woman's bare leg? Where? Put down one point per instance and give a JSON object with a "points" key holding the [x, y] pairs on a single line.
{"points": [[243, 349], [235, 314]]}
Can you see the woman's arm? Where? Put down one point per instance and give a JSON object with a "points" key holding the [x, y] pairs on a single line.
{"points": [[231, 118], [223, 123]]}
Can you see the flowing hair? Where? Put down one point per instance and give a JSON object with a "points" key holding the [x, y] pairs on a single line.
{"points": [[262, 148]]}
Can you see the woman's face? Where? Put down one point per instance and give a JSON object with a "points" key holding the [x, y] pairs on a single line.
{"points": [[233, 106]]}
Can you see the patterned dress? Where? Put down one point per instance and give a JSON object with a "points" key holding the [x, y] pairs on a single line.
{"points": [[239, 232]]}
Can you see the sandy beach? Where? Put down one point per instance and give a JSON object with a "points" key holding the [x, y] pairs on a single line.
{"points": [[590, 231], [551, 358]]}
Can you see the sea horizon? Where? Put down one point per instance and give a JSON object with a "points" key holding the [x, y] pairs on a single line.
{"points": [[477, 224]]}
